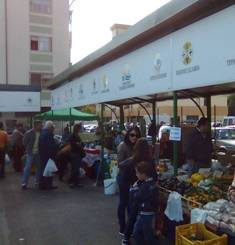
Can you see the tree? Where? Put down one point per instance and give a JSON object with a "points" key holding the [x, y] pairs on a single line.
{"points": [[231, 105]]}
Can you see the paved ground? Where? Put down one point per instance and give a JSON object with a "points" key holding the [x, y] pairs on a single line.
{"points": [[59, 217]]}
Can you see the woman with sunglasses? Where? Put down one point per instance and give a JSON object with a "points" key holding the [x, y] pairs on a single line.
{"points": [[125, 148], [125, 152]]}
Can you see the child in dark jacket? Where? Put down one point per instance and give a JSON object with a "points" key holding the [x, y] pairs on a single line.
{"points": [[134, 204], [146, 199], [133, 212]]}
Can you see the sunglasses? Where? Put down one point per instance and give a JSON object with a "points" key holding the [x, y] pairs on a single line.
{"points": [[133, 135]]}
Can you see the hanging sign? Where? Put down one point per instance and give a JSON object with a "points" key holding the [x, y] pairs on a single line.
{"points": [[175, 134]]}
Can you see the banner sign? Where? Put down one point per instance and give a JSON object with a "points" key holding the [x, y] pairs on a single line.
{"points": [[22, 101], [198, 55]]}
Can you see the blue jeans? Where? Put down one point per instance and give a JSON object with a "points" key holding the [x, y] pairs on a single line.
{"points": [[123, 206], [30, 159], [144, 231]]}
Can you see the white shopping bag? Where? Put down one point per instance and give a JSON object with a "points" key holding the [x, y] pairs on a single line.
{"points": [[7, 159], [50, 168], [174, 210], [198, 216]]}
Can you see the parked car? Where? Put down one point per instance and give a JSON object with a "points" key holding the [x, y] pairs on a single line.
{"points": [[224, 139], [229, 120]]}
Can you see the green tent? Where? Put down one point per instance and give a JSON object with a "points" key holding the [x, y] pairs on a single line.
{"points": [[69, 114]]}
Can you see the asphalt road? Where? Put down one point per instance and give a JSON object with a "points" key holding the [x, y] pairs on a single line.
{"points": [[64, 216]]}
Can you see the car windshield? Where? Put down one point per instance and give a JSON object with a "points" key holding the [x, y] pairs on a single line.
{"points": [[228, 133]]}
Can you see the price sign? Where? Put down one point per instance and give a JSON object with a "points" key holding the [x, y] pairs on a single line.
{"points": [[175, 134]]}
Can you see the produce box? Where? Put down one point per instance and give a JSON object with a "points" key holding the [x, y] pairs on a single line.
{"points": [[197, 234]]}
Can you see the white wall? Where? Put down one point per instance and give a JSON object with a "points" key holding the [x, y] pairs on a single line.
{"points": [[2, 44], [18, 42], [61, 49]]}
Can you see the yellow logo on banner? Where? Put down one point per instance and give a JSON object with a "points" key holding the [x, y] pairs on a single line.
{"points": [[187, 53]]}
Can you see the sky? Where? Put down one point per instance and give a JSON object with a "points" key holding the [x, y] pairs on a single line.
{"points": [[92, 19]]}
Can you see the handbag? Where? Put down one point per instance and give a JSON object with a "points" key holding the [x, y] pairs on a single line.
{"points": [[50, 168]]}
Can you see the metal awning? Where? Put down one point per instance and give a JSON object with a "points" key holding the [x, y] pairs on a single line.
{"points": [[202, 92]]}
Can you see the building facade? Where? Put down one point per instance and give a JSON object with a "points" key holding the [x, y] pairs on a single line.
{"points": [[34, 43]]}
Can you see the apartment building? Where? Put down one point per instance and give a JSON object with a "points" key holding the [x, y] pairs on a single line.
{"points": [[34, 45]]}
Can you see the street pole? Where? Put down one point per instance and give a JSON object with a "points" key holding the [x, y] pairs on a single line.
{"points": [[121, 127], [208, 107], [101, 167], [175, 143], [154, 122]]}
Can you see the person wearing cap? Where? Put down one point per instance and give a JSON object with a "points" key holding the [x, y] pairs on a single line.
{"points": [[17, 147], [31, 144], [199, 146], [47, 150], [3, 147]]}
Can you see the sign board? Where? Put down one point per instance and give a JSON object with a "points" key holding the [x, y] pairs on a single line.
{"points": [[175, 134], [198, 55], [23, 101]]}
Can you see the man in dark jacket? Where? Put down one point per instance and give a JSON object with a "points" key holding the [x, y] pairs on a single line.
{"points": [[31, 144], [199, 147], [76, 155], [47, 150]]}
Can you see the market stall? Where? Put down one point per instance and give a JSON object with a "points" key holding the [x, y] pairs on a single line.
{"points": [[67, 114], [185, 56]]}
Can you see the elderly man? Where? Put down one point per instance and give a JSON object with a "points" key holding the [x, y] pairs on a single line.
{"points": [[47, 150], [31, 144]]}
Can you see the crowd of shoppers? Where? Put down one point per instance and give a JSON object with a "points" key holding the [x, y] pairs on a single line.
{"points": [[32, 150], [137, 178]]}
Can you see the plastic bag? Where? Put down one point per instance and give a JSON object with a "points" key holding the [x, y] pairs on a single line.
{"points": [[50, 168], [174, 210], [114, 172], [198, 216], [7, 159]]}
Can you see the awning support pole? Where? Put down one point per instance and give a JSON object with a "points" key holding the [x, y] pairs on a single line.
{"points": [[208, 107], [121, 127], [101, 166], [175, 124], [70, 123], [112, 110], [154, 122]]}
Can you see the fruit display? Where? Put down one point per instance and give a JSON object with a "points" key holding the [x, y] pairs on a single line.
{"points": [[173, 184], [196, 178], [197, 194]]}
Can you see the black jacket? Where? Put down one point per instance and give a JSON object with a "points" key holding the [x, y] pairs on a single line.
{"points": [[47, 146], [199, 147], [147, 197], [76, 145]]}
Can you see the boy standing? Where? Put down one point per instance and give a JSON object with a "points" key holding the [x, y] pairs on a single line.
{"points": [[147, 201]]}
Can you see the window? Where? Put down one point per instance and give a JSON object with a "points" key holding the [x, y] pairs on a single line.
{"points": [[41, 6], [40, 79], [43, 44], [192, 118]]}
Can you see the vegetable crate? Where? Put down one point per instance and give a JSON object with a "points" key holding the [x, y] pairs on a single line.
{"points": [[197, 234]]}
